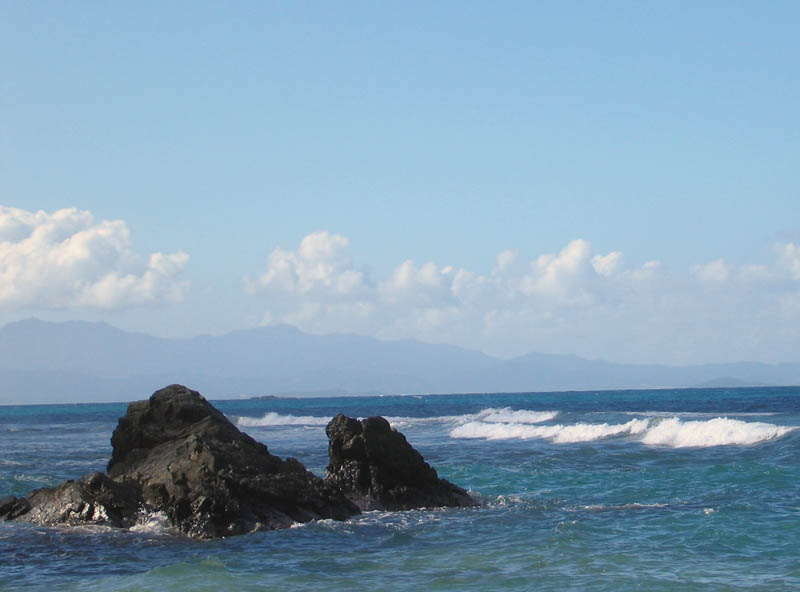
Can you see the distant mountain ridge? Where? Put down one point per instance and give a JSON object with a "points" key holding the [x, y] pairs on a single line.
{"points": [[76, 361]]}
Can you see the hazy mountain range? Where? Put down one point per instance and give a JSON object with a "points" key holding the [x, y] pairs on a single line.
{"points": [[43, 362]]}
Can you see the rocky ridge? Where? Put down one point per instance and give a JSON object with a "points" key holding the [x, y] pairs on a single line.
{"points": [[178, 455], [374, 465]]}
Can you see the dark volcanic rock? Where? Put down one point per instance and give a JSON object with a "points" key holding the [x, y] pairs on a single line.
{"points": [[93, 499], [374, 465], [178, 455], [207, 476], [12, 507]]}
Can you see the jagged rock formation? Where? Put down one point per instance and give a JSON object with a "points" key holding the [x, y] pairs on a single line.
{"points": [[93, 499], [13, 507], [210, 478], [375, 466], [175, 453]]}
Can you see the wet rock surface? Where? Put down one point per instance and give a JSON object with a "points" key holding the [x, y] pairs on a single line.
{"points": [[375, 466], [12, 507], [177, 455], [93, 499]]}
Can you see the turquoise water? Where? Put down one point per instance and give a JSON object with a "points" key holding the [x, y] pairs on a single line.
{"points": [[618, 490]]}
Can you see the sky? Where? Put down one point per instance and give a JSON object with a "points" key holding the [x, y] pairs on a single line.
{"points": [[611, 180]]}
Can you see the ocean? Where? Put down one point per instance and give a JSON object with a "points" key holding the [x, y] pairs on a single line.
{"points": [[692, 489]]}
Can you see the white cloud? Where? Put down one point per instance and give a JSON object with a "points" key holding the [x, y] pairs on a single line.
{"points": [[714, 273], [506, 261], [68, 260], [319, 267], [558, 274], [789, 255], [607, 265], [720, 273], [573, 300], [317, 288], [646, 271], [423, 287]]}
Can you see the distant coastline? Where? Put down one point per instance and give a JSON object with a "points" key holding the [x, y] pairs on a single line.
{"points": [[43, 362]]}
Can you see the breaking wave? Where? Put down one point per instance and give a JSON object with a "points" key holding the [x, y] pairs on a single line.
{"points": [[719, 431], [560, 434], [488, 415], [276, 419], [506, 415], [670, 432], [153, 523]]}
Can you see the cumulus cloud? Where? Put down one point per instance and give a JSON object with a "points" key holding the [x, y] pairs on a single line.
{"points": [[424, 286], [789, 256], [67, 259], [713, 273], [317, 287], [506, 261], [318, 267], [558, 274], [607, 265], [720, 273], [573, 300]]}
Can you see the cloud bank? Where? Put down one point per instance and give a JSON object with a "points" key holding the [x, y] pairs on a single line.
{"points": [[67, 259], [571, 301]]}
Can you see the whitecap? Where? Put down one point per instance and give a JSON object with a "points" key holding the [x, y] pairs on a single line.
{"points": [[152, 523], [721, 431], [276, 419], [620, 507], [560, 434], [506, 415], [488, 415]]}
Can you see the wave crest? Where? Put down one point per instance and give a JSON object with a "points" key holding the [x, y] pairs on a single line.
{"points": [[669, 432], [560, 434], [488, 415], [508, 415], [719, 431], [276, 419]]}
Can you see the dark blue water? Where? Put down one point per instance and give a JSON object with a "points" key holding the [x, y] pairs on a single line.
{"points": [[647, 490]]}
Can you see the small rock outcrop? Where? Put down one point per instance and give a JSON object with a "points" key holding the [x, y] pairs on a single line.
{"points": [[178, 455], [374, 465], [93, 499], [13, 507]]}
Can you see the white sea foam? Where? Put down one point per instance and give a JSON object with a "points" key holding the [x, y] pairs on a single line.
{"points": [[671, 432], [720, 431], [276, 419], [488, 415], [506, 415], [152, 523], [622, 507], [560, 434]]}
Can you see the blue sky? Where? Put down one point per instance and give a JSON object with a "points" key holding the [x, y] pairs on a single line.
{"points": [[462, 137]]}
